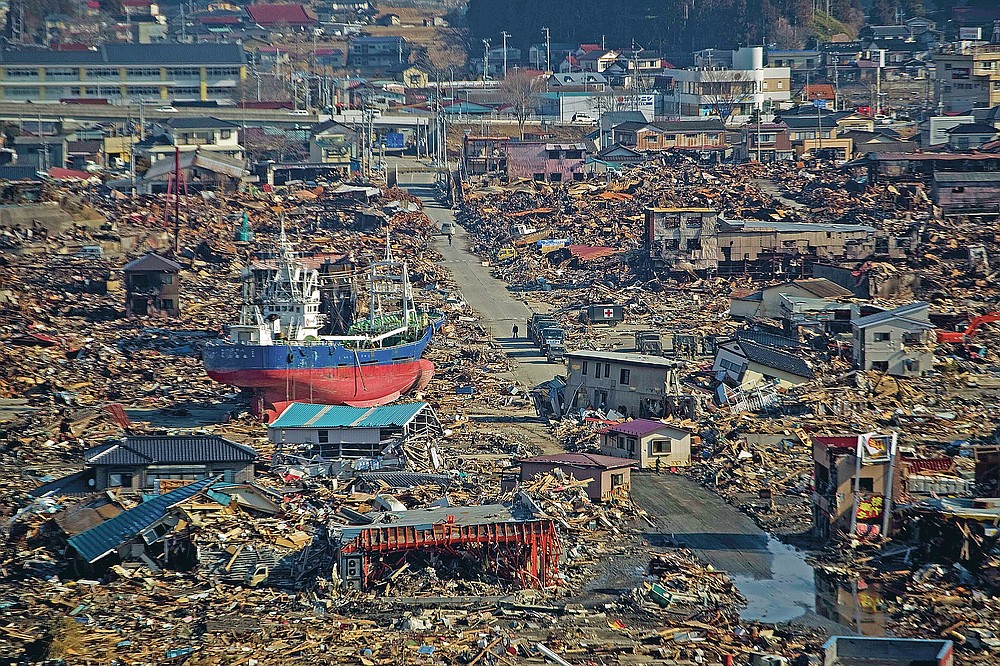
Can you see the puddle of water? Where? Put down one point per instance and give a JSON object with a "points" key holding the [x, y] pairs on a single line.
{"points": [[852, 603], [786, 594]]}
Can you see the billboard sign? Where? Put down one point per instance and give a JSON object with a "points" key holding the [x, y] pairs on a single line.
{"points": [[875, 449], [394, 141], [970, 34]]}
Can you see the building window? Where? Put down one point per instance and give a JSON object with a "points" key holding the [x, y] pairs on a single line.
{"points": [[584, 373], [167, 304], [623, 376], [661, 446], [617, 480], [555, 177], [324, 436], [880, 366], [621, 442], [882, 336], [726, 364], [866, 485], [13, 73], [120, 480], [607, 370], [630, 443]]}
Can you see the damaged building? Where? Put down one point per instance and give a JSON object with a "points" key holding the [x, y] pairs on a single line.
{"points": [[503, 541], [700, 241]]}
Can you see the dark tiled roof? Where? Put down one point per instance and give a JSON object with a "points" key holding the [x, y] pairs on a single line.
{"points": [[630, 126], [973, 128], [168, 450], [200, 123], [776, 359]]}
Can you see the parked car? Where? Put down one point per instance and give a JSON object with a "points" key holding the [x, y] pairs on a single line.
{"points": [[583, 119], [166, 109]]}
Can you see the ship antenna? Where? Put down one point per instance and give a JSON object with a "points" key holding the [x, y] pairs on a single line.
{"points": [[283, 244]]}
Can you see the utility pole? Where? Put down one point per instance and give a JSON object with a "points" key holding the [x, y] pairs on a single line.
{"points": [[548, 51], [836, 83], [505, 36], [486, 60]]}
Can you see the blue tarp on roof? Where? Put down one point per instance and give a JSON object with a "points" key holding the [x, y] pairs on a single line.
{"points": [[301, 415], [98, 541]]}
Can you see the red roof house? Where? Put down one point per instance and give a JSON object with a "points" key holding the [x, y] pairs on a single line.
{"points": [[296, 16]]}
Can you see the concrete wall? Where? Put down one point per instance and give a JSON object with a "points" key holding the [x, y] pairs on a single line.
{"points": [[645, 383]]}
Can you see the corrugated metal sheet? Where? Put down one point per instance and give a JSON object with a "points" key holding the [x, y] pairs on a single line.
{"points": [[300, 415], [98, 541]]}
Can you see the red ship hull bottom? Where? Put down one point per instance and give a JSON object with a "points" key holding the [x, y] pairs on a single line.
{"points": [[367, 386]]}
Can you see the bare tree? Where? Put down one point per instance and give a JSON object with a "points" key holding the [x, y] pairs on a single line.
{"points": [[726, 90], [517, 92]]}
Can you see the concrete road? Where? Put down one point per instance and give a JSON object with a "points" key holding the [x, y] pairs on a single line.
{"points": [[775, 579], [499, 309]]}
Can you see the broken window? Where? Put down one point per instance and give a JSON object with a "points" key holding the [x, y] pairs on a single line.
{"points": [[607, 370], [623, 376], [120, 480], [866, 485], [617, 480], [555, 177], [661, 446], [882, 336], [584, 372], [324, 436]]}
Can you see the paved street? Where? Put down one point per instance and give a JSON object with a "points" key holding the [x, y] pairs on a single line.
{"points": [[775, 579], [499, 309]]}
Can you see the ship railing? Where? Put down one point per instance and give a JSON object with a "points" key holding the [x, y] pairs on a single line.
{"points": [[345, 338]]}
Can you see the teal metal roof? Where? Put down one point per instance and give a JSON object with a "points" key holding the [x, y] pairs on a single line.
{"points": [[100, 540], [301, 415]]}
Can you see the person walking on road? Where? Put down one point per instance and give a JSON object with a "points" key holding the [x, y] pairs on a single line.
{"points": [[449, 239], [515, 332]]}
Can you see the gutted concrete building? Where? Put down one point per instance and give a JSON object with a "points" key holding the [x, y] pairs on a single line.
{"points": [[698, 240]]}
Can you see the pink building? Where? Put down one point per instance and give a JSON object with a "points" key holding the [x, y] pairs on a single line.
{"points": [[552, 162]]}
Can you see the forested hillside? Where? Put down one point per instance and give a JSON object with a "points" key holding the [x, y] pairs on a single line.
{"points": [[671, 26]]}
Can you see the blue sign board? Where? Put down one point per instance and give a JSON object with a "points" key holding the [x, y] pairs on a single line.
{"points": [[394, 140], [819, 103]]}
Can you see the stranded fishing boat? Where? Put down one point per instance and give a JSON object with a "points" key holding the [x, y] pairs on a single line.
{"points": [[277, 349]]}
